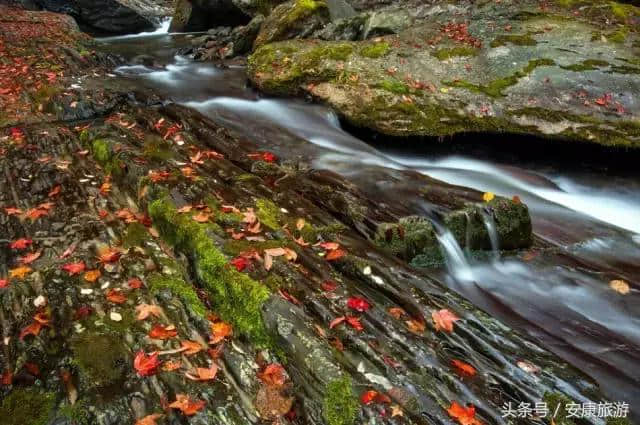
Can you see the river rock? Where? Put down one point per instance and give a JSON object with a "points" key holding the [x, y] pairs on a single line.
{"points": [[562, 72], [109, 16], [293, 19], [201, 15]]}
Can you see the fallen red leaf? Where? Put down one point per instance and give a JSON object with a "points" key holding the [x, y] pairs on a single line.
{"points": [[30, 258], [4, 283], [21, 244], [74, 268], [335, 322], [146, 365], [336, 254], [464, 368], [135, 283], [116, 296], [373, 396], [240, 263], [149, 420], [220, 331], [109, 255], [355, 323], [444, 320], [358, 304]]}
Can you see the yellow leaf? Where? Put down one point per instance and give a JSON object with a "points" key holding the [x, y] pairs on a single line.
{"points": [[19, 272], [488, 196], [92, 275], [620, 286]]}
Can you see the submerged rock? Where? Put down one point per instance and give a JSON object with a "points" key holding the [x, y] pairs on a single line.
{"points": [[562, 72]]}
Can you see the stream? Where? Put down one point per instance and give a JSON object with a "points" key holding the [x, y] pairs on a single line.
{"points": [[592, 217]]}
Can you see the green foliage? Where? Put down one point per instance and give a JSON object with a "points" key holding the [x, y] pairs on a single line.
{"points": [[340, 405], [518, 40], [26, 407], [181, 289], [268, 213]]}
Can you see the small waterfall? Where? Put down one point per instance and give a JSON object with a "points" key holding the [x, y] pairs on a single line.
{"points": [[455, 259], [490, 224]]}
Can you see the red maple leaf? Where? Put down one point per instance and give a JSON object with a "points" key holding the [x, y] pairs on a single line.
{"points": [[358, 304], [162, 332], [373, 396], [273, 374], [74, 268], [444, 319], [336, 254], [464, 368], [464, 415], [146, 365], [30, 258], [355, 323], [116, 296], [21, 244], [240, 263], [186, 405]]}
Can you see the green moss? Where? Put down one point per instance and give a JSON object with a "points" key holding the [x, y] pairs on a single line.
{"points": [[443, 54], [157, 148], [233, 247], [101, 151], [516, 39], [237, 297], [496, 87], [375, 50], [101, 358], [340, 405], [394, 86], [407, 238], [335, 51], [619, 36], [135, 235], [618, 421], [557, 402], [587, 65], [623, 11], [179, 288], [268, 213], [77, 414], [26, 407]]}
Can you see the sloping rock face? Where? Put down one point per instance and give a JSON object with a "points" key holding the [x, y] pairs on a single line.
{"points": [[108, 16], [201, 15], [565, 72]]}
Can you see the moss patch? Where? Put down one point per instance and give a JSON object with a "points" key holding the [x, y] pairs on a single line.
{"points": [[180, 289], [135, 235], [101, 358], [26, 407], [376, 50], [587, 65], [268, 213], [518, 40], [394, 86], [496, 87], [237, 297], [444, 54], [340, 405]]}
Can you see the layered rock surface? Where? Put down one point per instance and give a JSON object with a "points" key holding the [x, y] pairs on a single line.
{"points": [[565, 71]]}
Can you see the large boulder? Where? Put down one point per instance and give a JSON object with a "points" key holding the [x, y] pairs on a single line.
{"points": [[201, 15], [109, 16], [293, 19], [563, 72]]}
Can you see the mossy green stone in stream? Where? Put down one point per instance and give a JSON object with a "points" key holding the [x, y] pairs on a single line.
{"points": [[444, 54], [340, 405], [101, 358], [407, 238], [515, 39], [26, 407], [268, 213], [237, 297], [375, 50], [234, 248], [179, 288], [587, 65]]}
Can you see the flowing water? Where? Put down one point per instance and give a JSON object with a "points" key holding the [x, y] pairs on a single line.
{"points": [[560, 298]]}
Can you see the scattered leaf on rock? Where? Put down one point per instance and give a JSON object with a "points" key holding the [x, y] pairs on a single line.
{"points": [[620, 286], [186, 405], [464, 415], [444, 319], [146, 364]]}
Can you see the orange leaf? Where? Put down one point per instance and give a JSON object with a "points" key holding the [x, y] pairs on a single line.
{"points": [[273, 375], [204, 374], [171, 365], [149, 420], [162, 332], [21, 244], [145, 310], [444, 319], [220, 331], [92, 275], [109, 255], [187, 406], [464, 368], [201, 218], [19, 272], [336, 254], [464, 415], [191, 347], [33, 329], [372, 396], [135, 283], [116, 296]]}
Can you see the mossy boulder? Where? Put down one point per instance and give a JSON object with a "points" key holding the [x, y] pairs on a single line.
{"points": [[293, 19], [201, 15], [102, 360], [553, 74]]}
